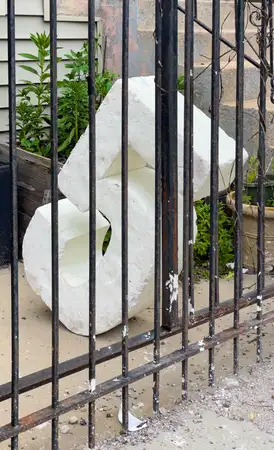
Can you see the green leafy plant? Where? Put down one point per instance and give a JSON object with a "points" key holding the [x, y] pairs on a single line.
{"points": [[33, 120], [180, 83], [72, 114], [78, 63], [103, 82], [252, 170], [32, 116], [202, 243], [270, 203], [73, 102], [247, 199], [106, 240], [250, 187]]}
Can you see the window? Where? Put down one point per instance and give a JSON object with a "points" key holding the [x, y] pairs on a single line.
{"points": [[68, 10]]}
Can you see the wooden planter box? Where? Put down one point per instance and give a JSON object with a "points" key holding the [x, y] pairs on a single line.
{"points": [[5, 214], [250, 234], [34, 184]]}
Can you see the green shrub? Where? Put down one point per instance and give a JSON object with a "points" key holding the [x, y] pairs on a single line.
{"points": [[252, 171], [202, 243], [73, 109], [32, 116], [181, 83], [33, 120]]}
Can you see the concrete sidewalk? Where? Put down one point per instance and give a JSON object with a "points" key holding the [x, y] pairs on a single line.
{"points": [[237, 414], [212, 433]]}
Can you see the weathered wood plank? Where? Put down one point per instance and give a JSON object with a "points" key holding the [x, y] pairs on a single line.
{"points": [[34, 183]]}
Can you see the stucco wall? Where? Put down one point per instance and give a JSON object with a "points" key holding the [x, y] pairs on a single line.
{"points": [[110, 13]]}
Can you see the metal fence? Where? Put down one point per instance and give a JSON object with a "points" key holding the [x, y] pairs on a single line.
{"points": [[166, 320]]}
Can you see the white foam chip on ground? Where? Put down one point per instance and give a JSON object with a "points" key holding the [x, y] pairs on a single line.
{"points": [[73, 211], [74, 178]]}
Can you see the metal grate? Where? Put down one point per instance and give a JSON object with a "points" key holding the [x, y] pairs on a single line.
{"points": [[168, 323]]}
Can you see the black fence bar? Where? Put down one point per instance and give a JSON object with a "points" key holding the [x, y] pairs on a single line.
{"points": [[261, 171], [187, 206], [169, 164], [191, 269], [271, 44], [166, 220], [158, 196], [92, 219], [54, 221], [271, 48], [214, 178], [195, 8], [82, 398], [75, 365], [14, 237], [238, 271], [124, 209]]}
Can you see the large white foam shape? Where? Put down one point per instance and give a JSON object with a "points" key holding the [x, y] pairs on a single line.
{"points": [[74, 178], [73, 253], [73, 215]]}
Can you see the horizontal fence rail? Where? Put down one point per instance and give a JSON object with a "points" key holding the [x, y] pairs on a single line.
{"points": [[175, 169], [67, 368], [78, 400]]}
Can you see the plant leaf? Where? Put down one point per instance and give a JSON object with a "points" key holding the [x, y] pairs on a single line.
{"points": [[45, 76], [29, 69], [67, 141], [29, 56]]}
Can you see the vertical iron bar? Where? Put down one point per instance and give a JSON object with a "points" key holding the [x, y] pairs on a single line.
{"points": [[271, 49], [195, 9], [169, 165], [125, 60], [188, 187], [214, 177], [238, 271], [158, 195], [92, 219], [191, 167], [54, 220], [270, 20], [261, 172], [217, 290], [14, 240]]}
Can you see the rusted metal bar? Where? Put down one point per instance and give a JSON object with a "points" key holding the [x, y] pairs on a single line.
{"points": [[169, 164], [261, 170], [187, 274], [124, 209], [74, 365], [214, 180], [238, 271], [92, 217], [46, 414], [14, 220], [54, 223], [158, 203]]}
